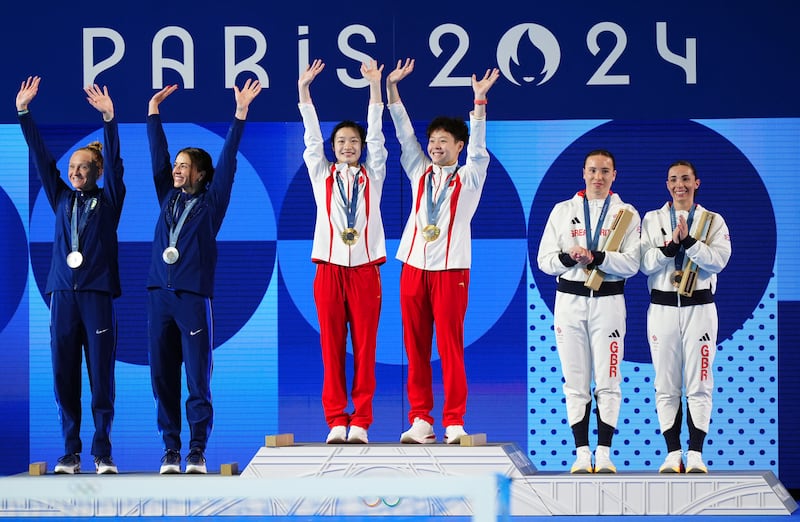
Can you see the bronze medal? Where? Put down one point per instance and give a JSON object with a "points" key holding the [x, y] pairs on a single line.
{"points": [[677, 275]]}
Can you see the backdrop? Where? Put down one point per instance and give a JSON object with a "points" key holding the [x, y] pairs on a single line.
{"points": [[711, 82]]}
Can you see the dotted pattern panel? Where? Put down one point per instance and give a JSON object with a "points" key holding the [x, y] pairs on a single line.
{"points": [[744, 424]]}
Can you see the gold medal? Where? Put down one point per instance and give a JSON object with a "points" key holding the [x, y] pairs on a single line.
{"points": [[431, 233], [74, 259], [170, 255], [677, 275], [349, 236]]}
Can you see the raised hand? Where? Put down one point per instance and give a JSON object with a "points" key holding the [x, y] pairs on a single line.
{"points": [[402, 70], [245, 96], [159, 97], [310, 73], [27, 92], [482, 86], [100, 100], [371, 71]]}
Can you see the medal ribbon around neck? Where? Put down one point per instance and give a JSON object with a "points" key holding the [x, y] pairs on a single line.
{"points": [[77, 228], [592, 241], [433, 208], [674, 222], [351, 204], [175, 231]]}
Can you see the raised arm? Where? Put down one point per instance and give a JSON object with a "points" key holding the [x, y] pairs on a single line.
{"points": [[412, 156], [160, 159], [305, 79], [113, 168], [245, 96], [480, 88], [376, 143], [219, 190], [372, 73], [44, 162], [402, 70]]}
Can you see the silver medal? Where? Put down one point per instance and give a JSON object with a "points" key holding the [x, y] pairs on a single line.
{"points": [[74, 259], [170, 255]]}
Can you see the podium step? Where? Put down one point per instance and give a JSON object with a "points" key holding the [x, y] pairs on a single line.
{"points": [[392, 480], [532, 492]]}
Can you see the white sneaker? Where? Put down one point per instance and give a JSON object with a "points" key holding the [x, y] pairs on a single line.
{"points": [[337, 435], [583, 461], [602, 460], [421, 432], [357, 435], [673, 463], [694, 462], [453, 434]]}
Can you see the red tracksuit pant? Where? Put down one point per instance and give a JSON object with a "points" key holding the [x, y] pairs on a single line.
{"points": [[427, 298], [348, 295]]}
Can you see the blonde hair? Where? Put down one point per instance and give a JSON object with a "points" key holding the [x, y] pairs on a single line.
{"points": [[95, 148]]}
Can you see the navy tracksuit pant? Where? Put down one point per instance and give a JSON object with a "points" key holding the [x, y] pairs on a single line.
{"points": [[181, 332], [83, 323]]}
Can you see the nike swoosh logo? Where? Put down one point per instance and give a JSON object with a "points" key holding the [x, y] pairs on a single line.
{"points": [[195, 332], [99, 331]]}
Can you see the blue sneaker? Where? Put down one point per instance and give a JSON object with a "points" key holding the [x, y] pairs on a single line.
{"points": [[69, 464], [170, 462], [196, 461]]}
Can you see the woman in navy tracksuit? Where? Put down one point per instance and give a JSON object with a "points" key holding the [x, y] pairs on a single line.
{"points": [[84, 275], [194, 197]]}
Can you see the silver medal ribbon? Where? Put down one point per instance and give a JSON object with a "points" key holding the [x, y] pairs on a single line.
{"points": [[75, 258], [171, 253]]}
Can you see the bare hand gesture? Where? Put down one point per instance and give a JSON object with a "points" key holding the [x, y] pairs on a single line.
{"points": [[27, 92], [481, 87], [310, 73], [159, 97], [681, 230], [372, 72], [400, 71], [244, 96], [100, 100]]}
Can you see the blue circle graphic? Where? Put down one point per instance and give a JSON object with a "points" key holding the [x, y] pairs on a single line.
{"points": [[14, 242]]}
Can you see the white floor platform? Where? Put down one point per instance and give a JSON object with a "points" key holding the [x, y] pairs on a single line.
{"points": [[394, 479]]}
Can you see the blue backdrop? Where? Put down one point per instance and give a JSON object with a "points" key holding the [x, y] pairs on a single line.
{"points": [[710, 82]]}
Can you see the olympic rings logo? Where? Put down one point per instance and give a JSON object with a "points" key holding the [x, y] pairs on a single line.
{"points": [[389, 502]]}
